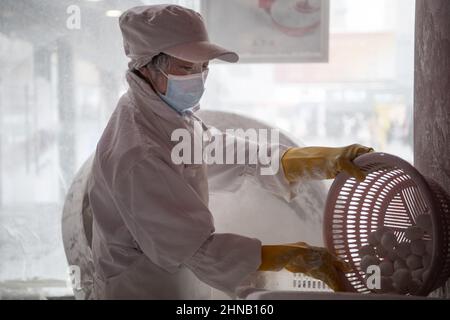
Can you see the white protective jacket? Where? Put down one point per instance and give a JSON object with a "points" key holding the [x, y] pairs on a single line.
{"points": [[153, 234]]}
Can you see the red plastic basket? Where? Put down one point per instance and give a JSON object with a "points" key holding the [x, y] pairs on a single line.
{"points": [[393, 194]]}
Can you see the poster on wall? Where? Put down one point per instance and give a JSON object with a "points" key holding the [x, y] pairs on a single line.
{"points": [[270, 31]]}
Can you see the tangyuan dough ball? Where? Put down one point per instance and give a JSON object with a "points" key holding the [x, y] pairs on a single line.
{"points": [[367, 261], [389, 241], [372, 238], [386, 284], [402, 278], [414, 233], [414, 286], [403, 250], [426, 260], [400, 290], [418, 247], [380, 232], [417, 274], [414, 262], [392, 256], [381, 251], [424, 222], [366, 250], [386, 268], [400, 264]]}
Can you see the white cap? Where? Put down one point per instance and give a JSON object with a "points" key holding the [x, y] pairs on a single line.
{"points": [[171, 29]]}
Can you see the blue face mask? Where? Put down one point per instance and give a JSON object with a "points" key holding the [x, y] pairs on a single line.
{"points": [[184, 92]]}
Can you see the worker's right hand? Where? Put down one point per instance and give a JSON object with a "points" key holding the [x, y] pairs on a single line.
{"points": [[300, 257], [322, 162]]}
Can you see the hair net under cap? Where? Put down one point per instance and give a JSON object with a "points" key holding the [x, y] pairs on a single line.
{"points": [[171, 29]]}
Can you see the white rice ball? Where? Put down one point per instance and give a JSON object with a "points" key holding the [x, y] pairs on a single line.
{"points": [[392, 256], [381, 251], [386, 268], [367, 261], [400, 264], [403, 250], [414, 286], [424, 222], [380, 232], [418, 247], [402, 278], [399, 290], [372, 238], [389, 241], [417, 274], [386, 285], [414, 233], [414, 262], [426, 260], [366, 250]]}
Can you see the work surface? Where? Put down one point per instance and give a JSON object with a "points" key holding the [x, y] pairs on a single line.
{"points": [[298, 295]]}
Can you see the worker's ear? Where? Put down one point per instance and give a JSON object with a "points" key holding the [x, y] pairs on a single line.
{"points": [[154, 78], [145, 72]]}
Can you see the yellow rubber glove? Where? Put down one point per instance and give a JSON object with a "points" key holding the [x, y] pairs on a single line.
{"points": [[300, 257], [322, 162]]}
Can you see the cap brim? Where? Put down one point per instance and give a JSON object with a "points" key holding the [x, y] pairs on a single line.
{"points": [[201, 51]]}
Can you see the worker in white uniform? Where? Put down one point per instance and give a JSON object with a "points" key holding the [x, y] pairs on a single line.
{"points": [[153, 234]]}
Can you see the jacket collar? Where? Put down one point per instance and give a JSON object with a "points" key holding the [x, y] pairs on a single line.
{"points": [[148, 102]]}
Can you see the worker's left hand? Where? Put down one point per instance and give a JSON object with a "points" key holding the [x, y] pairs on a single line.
{"points": [[320, 264], [300, 257], [322, 162]]}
